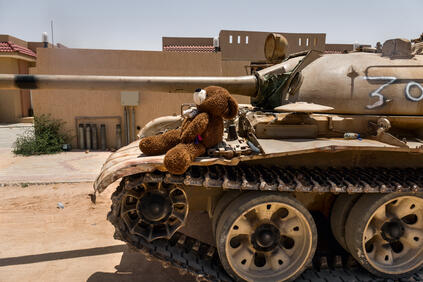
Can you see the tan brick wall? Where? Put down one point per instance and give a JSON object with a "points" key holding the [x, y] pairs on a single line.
{"points": [[166, 41], [10, 100], [67, 104], [249, 45]]}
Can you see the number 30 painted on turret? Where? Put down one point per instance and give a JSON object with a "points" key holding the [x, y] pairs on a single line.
{"points": [[382, 100]]}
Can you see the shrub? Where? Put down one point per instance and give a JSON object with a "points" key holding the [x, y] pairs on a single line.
{"points": [[45, 138]]}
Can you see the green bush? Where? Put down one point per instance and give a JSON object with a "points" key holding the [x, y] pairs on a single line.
{"points": [[46, 137]]}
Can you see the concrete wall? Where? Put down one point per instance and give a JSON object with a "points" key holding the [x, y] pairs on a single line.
{"points": [[67, 104], [14, 104], [187, 41], [10, 100], [249, 45], [6, 37], [33, 45], [339, 47], [24, 94]]}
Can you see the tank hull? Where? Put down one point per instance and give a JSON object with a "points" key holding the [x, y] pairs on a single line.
{"points": [[322, 152]]}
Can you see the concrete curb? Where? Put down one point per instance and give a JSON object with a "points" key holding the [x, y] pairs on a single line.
{"points": [[26, 184]]}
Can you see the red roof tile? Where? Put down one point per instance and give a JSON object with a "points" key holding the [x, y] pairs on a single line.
{"points": [[8, 47], [189, 48]]}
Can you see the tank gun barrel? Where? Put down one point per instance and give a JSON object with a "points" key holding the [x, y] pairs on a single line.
{"points": [[242, 85]]}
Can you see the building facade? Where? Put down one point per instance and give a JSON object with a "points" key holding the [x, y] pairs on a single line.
{"points": [[16, 57], [231, 54], [77, 107]]}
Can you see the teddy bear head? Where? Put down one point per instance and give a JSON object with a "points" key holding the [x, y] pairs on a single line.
{"points": [[216, 101]]}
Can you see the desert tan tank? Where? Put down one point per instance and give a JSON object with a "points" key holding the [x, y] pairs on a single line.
{"points": [[331, 145]]}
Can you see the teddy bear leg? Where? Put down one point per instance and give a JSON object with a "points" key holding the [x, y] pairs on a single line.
{"points": [[178, 159], [160, 144]]}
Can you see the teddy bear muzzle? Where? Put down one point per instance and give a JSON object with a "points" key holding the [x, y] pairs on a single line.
{"points": [[199, 96]]}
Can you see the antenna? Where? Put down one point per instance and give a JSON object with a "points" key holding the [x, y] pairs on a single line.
{"points": [[52, 38]]}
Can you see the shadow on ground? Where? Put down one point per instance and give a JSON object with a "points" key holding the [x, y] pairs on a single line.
{"points": [[62, 255], [134, 267]]}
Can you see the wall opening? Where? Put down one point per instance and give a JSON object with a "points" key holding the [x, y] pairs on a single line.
{"points": [[246, 39], [307, 41], [230, 39], [239, 39], [299, 41]]}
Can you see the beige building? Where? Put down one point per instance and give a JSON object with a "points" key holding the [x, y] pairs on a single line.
{"points": [[236, 45], [234, 54], [16, 57], [104, 107]]}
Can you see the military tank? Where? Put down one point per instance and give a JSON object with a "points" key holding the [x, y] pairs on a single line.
{"points": [[330, 142]]}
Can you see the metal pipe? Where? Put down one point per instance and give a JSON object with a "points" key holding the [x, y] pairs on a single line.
{"points": [[31, 104], [133, 124], [81, 139], [126, 125], [242, 85], [81, 118], [128, 131], [88, 136], [103, 137], [118, 136], [94, 136]]}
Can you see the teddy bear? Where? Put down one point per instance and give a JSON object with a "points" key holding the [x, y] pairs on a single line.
{"points": [[201, 130]]}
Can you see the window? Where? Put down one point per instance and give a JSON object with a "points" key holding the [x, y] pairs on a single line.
{"points": [[299, 41], [230, 39], [307, 41], [239, 39], [246, 39]]}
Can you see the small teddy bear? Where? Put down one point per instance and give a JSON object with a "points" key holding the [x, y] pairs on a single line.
{"points": [[198, 132]]}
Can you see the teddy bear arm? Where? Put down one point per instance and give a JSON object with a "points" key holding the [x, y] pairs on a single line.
{"points": [[196, 127]]}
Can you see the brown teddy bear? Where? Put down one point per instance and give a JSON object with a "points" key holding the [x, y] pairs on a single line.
{"points": [[197, 133]]}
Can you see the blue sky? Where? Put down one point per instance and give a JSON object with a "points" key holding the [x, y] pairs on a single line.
{"points": [[141, 24]]}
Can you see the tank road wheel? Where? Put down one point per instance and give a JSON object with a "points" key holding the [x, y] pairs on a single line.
{"points": [[223, 202], [265, 237], [385, 233], [154, 210], [339, 215]]}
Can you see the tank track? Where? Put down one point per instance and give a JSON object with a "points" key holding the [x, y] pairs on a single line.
{"points": [[187, 254], [335, 180], [201, 260]]}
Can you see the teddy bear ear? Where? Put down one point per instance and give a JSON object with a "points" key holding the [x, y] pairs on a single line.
{"points": [[232, 109]]}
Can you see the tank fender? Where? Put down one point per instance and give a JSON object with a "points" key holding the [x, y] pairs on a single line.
{"points": [[159, 125]]}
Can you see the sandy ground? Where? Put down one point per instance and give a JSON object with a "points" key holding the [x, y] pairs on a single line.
{"points": [[65, 167], [40, 242]]}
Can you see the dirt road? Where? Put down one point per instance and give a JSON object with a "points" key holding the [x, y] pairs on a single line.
{"points": [[41, 242]]}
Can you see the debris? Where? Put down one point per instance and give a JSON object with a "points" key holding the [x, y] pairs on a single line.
{"points": [[352, 136], [60, 206], [93, 197], [253, 147], [66, 147]]}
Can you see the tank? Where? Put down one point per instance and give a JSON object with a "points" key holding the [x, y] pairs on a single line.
{"points": [[323, 168]]}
